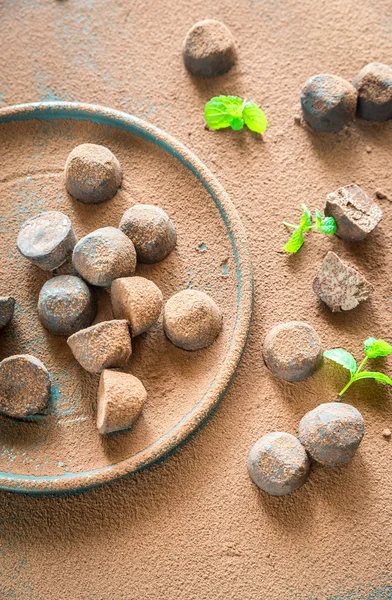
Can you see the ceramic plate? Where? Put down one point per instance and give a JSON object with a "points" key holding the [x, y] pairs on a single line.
{"points": [[61, 449]]}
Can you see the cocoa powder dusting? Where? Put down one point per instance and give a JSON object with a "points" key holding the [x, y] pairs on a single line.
{"points": [[196, 527]]}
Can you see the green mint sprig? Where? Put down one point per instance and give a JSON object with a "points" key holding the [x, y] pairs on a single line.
{"points": [[373, 349], [326, 225], [234, 112]]}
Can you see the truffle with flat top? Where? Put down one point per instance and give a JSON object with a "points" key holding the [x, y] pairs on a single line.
{"points": [[209, 49], [47, 239], [374, 85], [25, 386], [138, 300], [101, 346], [292, 351], [121, 397]]}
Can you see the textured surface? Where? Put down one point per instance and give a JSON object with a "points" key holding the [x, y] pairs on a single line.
{"points": [[195, 527]]}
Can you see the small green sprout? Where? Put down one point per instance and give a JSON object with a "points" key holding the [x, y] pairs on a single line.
{"points": [[373, 349], [231, 111], [326, 225]]}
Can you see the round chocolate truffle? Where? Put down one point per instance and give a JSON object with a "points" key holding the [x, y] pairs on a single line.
{"points": [[138, 300], [374, 85], [278, 463], [101, 346], [65, 305], [121, 397], [332, 432], [328, 102], [192, 320], [24, 386], [151, 231], [47, 239], [292, 350], [209, 49], [104, 255], [7, 306], [92, 173]]}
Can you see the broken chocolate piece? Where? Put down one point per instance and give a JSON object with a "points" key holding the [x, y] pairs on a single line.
{"points": [[355, 213], [340, 286]]}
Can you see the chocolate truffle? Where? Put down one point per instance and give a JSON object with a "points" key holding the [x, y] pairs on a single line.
{"points": [[292, 351], [101, 346], [192, 320], [24, 386], [332, 432], [47, 239], [92, 173], [138, 300], [120, 400], [7, 306], [328, 102], [209, 49], [151, 231], [65, 305], [104, 255], [278, 463], [374, 85]]}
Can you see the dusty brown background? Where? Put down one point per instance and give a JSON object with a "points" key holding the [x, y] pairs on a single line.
{"points": [[194, 527]]}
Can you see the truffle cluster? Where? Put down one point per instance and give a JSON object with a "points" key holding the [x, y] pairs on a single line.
{"points": [[67, 305], [329, 102]]}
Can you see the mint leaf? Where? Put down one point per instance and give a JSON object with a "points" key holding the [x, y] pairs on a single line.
{"points": [[237, 123], [375, 348], [343, 358], [328, 226], [373, 375], [295, 242], [319, 219], [254, 117], [306, 219], [220, 111]]}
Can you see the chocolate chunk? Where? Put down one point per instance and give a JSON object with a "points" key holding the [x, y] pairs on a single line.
{"points": [[374, 85], [340, 286], [120, 400], [209, 49], [355, 213], [7, 306]]}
